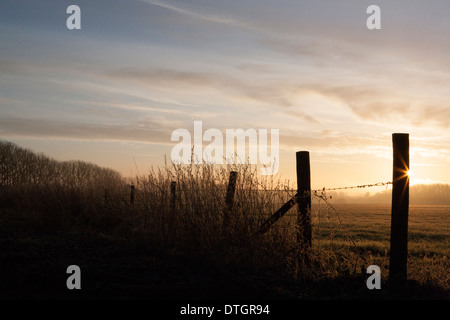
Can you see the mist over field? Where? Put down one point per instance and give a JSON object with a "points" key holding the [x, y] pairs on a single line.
{"points": [[421, 194]]}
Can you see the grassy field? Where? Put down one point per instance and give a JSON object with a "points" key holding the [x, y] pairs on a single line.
{"points": [[349, 237], [366, 228], [428, 226]]}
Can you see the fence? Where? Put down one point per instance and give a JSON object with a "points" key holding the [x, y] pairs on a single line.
{"points": [[302, 198], [399, 206]]}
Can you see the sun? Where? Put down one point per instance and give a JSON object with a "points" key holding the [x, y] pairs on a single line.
{"points": [[411, 176], [410, 173]]}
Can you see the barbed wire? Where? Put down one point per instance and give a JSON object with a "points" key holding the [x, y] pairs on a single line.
{"points": [[323, 190], [319, 194], [378, 184]]}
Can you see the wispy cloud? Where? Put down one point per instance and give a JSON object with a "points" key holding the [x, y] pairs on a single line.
{"points": [[389, 104], [199, 15], [269, 92], [385, 101], [148, 131]]}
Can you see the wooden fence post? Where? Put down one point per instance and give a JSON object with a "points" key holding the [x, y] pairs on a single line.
{"points": [[277, 215], [229, 200], [399, 209], [304, 232]]}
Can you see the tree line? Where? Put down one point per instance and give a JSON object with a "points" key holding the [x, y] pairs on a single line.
{"points": [[20, 166]]}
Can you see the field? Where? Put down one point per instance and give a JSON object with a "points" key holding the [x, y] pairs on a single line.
{"points": [[358, 235], [170, 238], [369, 224], [428, 238]]}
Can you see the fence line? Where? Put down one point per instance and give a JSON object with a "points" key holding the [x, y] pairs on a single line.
{"points": [[314, 191], [229, 199], [302, 197]]}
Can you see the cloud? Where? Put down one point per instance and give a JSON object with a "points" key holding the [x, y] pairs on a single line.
{"points": [[256, 68], [269, 92], [149, 131], [371, 101], [337, 143], [162, 107], [167, 76], [19, 67], [199, 15], [386, 103]]}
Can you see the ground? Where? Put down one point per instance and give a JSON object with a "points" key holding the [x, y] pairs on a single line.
{"points": [[33, 266]]}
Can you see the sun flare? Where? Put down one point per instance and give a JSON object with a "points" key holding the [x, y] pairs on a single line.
{"points": [[410, 173]]}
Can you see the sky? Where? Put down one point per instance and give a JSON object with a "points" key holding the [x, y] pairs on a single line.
{"points": [[113, 92]]}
